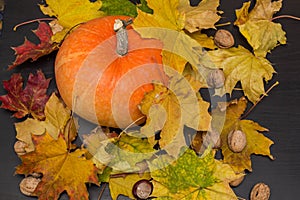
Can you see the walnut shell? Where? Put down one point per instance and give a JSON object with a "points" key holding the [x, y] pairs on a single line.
{"points": [[20, 148], [212, 137], [237, 141], [28, 185], [216, 78], [223, 39], [260, 191]]}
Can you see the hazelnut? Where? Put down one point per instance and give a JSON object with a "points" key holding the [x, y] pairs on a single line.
{"points": [[142, 189], [260, 191], [20, 148], [223, 39], [237, 141], [216, 78], [237, 182], [28, 185]]}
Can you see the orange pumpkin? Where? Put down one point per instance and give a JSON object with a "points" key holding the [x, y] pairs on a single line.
{"points": [[99, 84]]}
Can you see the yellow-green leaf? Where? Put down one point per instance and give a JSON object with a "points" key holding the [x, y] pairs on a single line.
{"points": [[257, 143], [57, 117], [71, 13], [191, 177], [202, 16], [240, 65], [257, 26]]}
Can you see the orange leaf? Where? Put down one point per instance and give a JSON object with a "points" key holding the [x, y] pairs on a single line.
{"points": [[62, 169]]}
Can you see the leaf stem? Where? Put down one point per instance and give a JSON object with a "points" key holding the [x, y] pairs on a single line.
{"points": [[102, 191], [286, 16], [31, 21], [259, 100], [124, 131], [223, 24]]}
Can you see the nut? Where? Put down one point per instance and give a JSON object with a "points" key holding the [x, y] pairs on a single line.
{"points": [[28, 185], [260, 191], [142, 189], [20, 148], [237, 182], [216, 78], [237, 141], [223, 39]]}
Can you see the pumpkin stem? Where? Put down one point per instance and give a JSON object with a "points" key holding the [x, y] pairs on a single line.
{"points": [[122, 36]]}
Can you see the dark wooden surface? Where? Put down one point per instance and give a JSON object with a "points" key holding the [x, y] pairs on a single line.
{"points": [[280, 112]]}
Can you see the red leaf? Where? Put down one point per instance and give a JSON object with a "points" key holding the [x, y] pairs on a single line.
{"points": [[31, 100], [29, 50]]}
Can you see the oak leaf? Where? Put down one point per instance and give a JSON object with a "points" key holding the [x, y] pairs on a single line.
{"points": [[258, 28], [71, 13], [30, 100], [32, 51], [62, 169], [202, 16], [239, 64], [191, 177], [169, 109], [257, 143], [55, 123]]}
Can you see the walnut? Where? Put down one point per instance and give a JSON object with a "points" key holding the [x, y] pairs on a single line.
{"points": [[237, 141], [216, 78], [223, 39], [28, 185], [212, 137], [20, 148], [260, 191]]}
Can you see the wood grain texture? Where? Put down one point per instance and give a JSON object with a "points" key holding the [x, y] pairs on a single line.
{"points": [[280, 111]]}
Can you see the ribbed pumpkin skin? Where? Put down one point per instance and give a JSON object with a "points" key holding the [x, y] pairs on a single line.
{"points": [[100, 85]]}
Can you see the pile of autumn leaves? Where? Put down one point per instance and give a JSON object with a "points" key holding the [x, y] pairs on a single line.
{"points": [[46, 136]]}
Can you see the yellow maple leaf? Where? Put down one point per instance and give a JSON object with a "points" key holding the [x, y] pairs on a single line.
{"points": [[169, 109], [203, 40], [62, 169], [57, 118], [165, 15], [202, 16], [71, 13], [258, 28], [124, 185], [192, 178], [239, 64], [257, 143]]}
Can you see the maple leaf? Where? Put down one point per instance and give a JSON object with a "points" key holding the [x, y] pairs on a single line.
{"points": [[202, 16], [203, 40], [58, 120], [239, 64], [119, 153], [169, 109], [71, 13], [257, 143], [124, 185], [191, 177], [123, 7], [258, 28], [62, 169], [32, 51], [28, 101]]}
